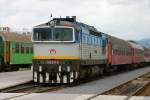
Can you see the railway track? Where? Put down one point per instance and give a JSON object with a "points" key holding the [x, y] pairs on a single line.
{"points": [[32, 89], [29, 88], [131, 88]]}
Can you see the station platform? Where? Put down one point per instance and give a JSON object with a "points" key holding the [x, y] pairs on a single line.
{"points": [[116, 97], [45, 96], [104, 83], [55, 96], [8, 79], [140, 98]]}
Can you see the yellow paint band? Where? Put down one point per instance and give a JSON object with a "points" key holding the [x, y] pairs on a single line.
{"points": [[56, 57]]}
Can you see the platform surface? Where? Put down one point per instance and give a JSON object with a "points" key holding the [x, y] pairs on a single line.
{"points": [[43, 96], [140, 98], [104, 84], [12, 78], [109, 97], [55, 96]]}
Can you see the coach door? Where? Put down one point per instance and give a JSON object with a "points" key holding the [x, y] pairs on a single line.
{"points": [[7, 52]]}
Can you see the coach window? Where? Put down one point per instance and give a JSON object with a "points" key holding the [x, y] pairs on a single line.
{"points": [[120, 51], [16, 47], [31, 48], [125, 51], [27, 50], [22, 49]]}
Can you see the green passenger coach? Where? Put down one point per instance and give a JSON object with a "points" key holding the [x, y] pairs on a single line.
{"points": [[16, 51]]}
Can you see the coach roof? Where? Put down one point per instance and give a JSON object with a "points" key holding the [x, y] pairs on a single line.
{"points": [[12, 36]]}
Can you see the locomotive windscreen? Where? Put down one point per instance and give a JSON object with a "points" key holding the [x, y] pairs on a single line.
{"points": [[55, 34], [42, 34]]}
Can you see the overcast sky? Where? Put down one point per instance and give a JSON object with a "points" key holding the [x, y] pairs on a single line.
{"points": [[127, 19]]}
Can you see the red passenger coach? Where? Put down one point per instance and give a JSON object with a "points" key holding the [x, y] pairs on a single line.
{"points": [[119, 52], [137, 53], [147, 55]]}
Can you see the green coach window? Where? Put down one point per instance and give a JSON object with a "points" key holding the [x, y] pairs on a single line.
{"points": [[27, 50], [17, 48], [22, 49], [31, 49]]}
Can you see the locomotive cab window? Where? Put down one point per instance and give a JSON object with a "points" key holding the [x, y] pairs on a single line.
{"points": [[53, 34], [42, 34], [62, 34]]}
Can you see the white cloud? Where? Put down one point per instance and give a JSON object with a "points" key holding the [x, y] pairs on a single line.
{"points": [[128, 19]]}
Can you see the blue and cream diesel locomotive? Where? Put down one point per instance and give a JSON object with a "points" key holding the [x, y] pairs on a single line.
{"points": [[66, 50]]}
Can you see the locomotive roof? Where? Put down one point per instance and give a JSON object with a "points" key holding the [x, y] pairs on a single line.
{"points": [[12, 36], [67, 22], [58, 23]]}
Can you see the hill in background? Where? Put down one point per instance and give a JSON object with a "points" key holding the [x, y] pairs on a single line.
{"points": [[145, 42]]}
